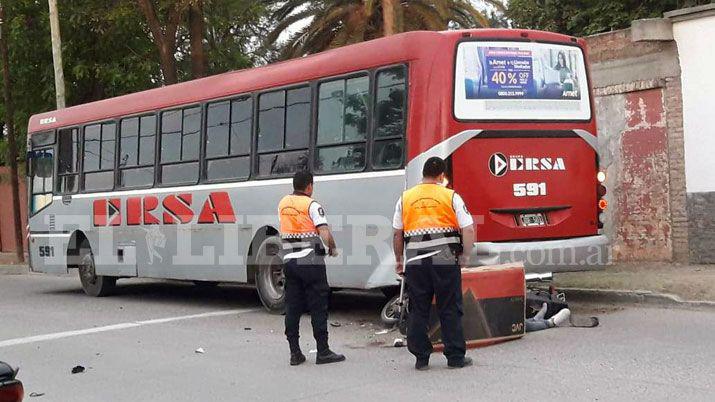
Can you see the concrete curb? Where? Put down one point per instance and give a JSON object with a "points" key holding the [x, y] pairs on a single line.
{"points": [[633, 297], [14, 269]]}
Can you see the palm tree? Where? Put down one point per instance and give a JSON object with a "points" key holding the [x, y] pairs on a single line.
{"points": [[337, 23]]}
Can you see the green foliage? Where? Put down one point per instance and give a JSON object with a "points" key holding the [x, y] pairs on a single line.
{"points": [[108, 50], [335, 23], [233, 29], [587, 17]]}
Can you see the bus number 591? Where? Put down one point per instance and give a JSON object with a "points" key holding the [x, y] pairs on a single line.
{"points": [[529, 189]]}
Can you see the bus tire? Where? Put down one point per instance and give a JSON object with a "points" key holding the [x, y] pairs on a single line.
{"points": [[270, 279], [93, 285]]}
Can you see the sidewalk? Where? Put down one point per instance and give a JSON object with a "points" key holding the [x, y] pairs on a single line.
{"points": [[9, 265], [15, 269], [689, 282], [8, 259]]}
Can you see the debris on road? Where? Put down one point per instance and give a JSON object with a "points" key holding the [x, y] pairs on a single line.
{"points": [[77, 369], [311, 351], [247, 329], [335, 324], [200, 350], [36, 394], [382, 332], [398, 342]]}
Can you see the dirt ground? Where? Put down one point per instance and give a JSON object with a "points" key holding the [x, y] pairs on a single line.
{"points": [[690, 282]]}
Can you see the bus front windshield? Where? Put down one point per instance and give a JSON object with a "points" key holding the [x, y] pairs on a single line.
{"points": [[41, 164]]}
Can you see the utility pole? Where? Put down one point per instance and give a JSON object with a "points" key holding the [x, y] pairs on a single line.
{"points": [[57, 55], [12, 146]]}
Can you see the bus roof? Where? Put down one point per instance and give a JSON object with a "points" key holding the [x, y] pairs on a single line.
{"points": [[384, 51]]}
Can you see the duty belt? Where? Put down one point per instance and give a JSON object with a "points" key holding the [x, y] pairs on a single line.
{"points": [[432, 240], [413, 245], [298, 245], [293, 245]]}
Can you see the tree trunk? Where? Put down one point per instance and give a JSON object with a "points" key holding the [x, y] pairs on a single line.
{"points": [[388, 17], [12, 146], [168, 62], [196, 32], [57, 55], [164, 37]]}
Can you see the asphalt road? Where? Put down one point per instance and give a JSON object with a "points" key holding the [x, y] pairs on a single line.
{"points": [[140, 345]]}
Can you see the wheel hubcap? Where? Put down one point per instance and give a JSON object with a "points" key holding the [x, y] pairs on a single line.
{"points": [[391, 311]]}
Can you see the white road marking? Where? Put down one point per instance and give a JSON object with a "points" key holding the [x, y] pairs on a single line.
{"points": [[114, 327]]}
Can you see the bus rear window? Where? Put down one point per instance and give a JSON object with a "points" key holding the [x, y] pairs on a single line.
{"points": [[520, 81]]}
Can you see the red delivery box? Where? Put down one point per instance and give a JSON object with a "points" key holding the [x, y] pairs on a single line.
{"points": [[493, 300]]}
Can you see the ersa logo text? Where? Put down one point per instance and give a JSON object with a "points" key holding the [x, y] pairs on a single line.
{"points": [[175, 209], [48, 120], [499, 164]]}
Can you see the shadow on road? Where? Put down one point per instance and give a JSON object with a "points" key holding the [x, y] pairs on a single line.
{"points": [[222, 296]]}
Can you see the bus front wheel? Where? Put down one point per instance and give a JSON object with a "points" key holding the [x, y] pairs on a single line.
{"points": [[270, 279], [93, 285]]}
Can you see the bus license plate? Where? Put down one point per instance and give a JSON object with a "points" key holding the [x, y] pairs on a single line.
{"points": [[532, 219]]}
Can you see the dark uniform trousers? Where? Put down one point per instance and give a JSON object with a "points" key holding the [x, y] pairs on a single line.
{"points": [[307, 289], [437, 276]]}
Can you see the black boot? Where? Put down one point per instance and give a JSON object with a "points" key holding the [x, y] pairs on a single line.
{"points": [[422, 364], [297, 358], [328, 356], [466, 362]]}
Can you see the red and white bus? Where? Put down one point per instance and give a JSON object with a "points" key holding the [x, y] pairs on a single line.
{"points": [[183, 181]]}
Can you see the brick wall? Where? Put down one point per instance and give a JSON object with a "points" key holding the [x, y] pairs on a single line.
{"points": [[7, 239], [639, 116]]}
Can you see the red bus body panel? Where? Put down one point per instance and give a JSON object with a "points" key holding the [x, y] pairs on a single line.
{"points": [[568, 208]]}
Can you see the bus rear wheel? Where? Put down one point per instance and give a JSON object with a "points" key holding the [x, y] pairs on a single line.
{"points": [[270, 279], [93, 285]]}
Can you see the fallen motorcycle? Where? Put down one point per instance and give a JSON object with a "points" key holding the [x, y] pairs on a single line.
{"points": [[396, 310]]}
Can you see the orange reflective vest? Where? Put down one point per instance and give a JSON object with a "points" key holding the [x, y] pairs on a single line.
{"points": [[294, 216], [428, 214]]}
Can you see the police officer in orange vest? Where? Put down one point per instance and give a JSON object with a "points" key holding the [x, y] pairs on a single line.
{"points": [[433, 238], [305, 234]]}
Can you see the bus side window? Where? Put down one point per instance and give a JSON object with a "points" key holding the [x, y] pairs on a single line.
{"points": [[180, 133], [98, 156], [68, 161], [342, 125], [136, 151], [283, 131], [390, 103], [228, 139]]}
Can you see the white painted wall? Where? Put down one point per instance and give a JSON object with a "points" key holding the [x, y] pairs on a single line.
{"points": [[696, 47]]}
